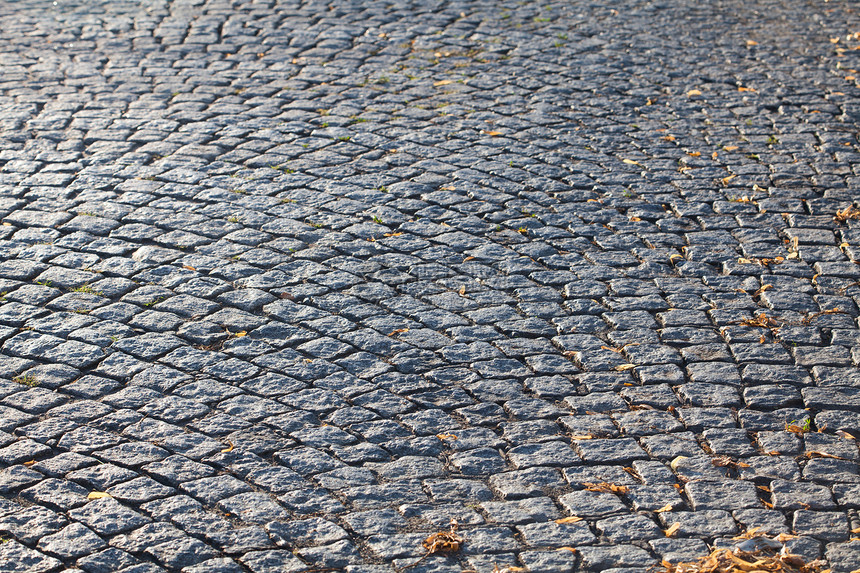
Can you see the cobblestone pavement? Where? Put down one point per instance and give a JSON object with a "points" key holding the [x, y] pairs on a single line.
{"points": [[297, 283]]}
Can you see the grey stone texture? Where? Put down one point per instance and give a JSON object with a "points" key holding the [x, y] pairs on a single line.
{"points": [[289, 286]]}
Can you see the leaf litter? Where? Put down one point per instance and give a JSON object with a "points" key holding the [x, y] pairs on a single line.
{"points": [[754, 553], [444, 542]]}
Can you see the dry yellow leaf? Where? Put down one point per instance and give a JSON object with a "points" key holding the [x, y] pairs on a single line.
{"points": [[443, 82], [624, 367], [694, 153], [668, 138], [571, 519], [451, 437], [692, 93], [726, 180], [491, 133], [665, 508], [230, 449], [752, 43], [398, 331], [743, 89], [240, 334], [631, 162], [676, 462], [392, 234], [97, 495], [188, 268], [850, 78], [730, 147], [462, 290], [673, 529], [571, 549], [581, 437]]}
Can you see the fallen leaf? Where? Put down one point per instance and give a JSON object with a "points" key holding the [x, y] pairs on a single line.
{"points": [[752, 43], [665, 508], [694, 153], [462, 290], [392, 234], [443, 82], [492, 133], [624, 367], [451, 437], [668, 138], [692, 93], [571, 549], [230, 449], [844, 434], [97, 495], [188, 268], [240, 334], [676, 462], [398, 331], [673, 529], [30, 463], [726, 180], [571, 519], [743, 89], [730, 147], [582, 437], [605, 487], [631, 162]]}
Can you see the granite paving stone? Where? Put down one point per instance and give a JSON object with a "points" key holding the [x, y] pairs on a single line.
{"points": [[290, 286]]}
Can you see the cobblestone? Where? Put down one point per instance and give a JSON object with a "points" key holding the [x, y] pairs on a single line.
{"points": [[294, 285]]}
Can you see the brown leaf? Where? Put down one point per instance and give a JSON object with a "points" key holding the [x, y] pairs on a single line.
{"points": [[571, 549], [188, 268], [450, 437], [605, 487], [673, 529], [443, 542], [398, 331]]}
